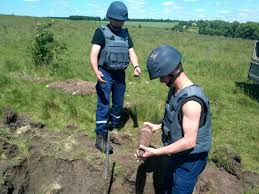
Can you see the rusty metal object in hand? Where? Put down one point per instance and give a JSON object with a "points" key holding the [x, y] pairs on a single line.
{"points": [[144, 138]]}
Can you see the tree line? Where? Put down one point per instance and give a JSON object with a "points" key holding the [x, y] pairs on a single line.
{"points": [[78, 17], [248, 30]]}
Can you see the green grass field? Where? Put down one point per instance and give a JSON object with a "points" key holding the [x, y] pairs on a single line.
{"points": [[167, 25], [162, 25], [215, 63]]}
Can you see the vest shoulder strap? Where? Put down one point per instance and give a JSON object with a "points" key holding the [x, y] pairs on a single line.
{"points": [[108, 34], [106, 31]]}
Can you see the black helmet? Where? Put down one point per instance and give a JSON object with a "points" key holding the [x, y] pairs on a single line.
{"points": [[118, 11], [162, 61]]}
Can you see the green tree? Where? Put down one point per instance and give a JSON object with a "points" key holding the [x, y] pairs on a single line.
{"points": [[45, 49], [249, 30]]}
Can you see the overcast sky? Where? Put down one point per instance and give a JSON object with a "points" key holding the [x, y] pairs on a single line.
{"points": [[228, 10]]}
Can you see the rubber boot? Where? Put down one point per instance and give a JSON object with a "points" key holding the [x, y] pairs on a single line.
{"points": [[101, 142]]}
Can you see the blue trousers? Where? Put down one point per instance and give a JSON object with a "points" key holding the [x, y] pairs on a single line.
{"points": [[115, 85], [183, 173]]}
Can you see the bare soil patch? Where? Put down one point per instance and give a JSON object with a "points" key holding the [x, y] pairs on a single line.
{"points": [[67, 162], [74, 86]]}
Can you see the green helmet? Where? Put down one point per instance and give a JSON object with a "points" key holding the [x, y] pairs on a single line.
{"points": [[118, 11], [162, 61]]}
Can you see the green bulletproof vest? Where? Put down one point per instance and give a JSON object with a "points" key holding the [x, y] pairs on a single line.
{"points": [[115, 54], [172, 126]]}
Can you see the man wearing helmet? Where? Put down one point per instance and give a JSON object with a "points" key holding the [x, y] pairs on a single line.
{"points": [[112, 49], [186, 125]]}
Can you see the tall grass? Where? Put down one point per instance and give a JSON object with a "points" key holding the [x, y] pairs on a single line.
{"points": [[215, 63]]}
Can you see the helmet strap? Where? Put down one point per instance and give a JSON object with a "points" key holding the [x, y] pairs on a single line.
{"points": [[175, 74]]}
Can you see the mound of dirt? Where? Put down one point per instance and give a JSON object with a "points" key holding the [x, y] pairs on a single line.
{"points": [[218, 180], [59, 162], [42, 173], [215, 180], [74, 86], [226, 157], [7, 150], [39, 174], [120, 138], [63, 176], [15, 177], [13, 120], [64, 162]]}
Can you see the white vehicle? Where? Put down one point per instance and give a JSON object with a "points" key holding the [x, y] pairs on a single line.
{"points": [[254, 66]]}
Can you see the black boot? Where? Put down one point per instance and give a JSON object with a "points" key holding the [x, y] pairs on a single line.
{"points": [[101, 142]]}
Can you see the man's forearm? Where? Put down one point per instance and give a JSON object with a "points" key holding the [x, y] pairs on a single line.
{"points": [[94, 57], [94, 63], [179, 146], [133, 58]]}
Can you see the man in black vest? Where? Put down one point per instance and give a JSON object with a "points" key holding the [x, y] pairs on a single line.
{"points": [[186, 125], [112, 49]]}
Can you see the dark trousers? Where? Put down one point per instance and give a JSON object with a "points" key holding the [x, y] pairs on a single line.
{"points": [[183, 173], [115, 85]]}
